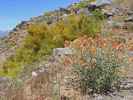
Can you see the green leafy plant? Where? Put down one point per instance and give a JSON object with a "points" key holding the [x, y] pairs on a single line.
{"points": [[82, 4], [90, 26], [99, 72]]}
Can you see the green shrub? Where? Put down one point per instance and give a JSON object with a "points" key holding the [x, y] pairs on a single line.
{"points": [[98, 73], [82, 4], [90, 26], [98, 15]]}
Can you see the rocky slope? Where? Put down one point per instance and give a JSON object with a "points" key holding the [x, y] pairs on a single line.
{"points": [[54, 76], [56, 71]]}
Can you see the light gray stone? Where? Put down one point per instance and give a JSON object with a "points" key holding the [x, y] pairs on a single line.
{"points": [[84, 11], [63, 51], [130, 53], [103, 2]]}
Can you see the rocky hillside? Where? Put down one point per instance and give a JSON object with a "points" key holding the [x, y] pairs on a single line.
{"points": [[82, 52], [121, 9]]}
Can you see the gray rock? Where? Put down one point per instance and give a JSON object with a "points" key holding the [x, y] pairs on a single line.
{"points": [[84, 11], [63, 51], [127, 84], [103, 2], [130, 12], [108, 14], [129, 19], [130, 53]]}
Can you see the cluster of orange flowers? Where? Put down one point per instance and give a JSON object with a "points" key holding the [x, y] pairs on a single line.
{"points": [[92, 43]]}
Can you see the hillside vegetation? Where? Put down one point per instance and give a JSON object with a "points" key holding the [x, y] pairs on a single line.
{"points": [[83, 52], [42, 38]]}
